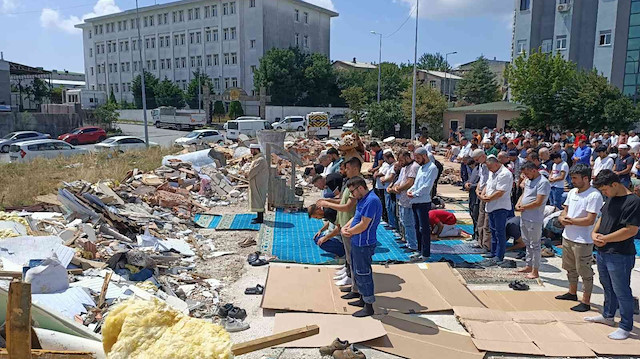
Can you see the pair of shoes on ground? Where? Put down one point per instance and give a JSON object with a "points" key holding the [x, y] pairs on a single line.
{"points": [[233, 325], [257, 290], [581, 307], [230, 311], [518, 285], [367, 308], [492, 261], [342, 350], [618, 334], [343, 280], [255, 260], [247, 242]]}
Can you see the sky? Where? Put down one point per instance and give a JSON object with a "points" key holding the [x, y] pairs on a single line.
{"points": [[40, 33]]}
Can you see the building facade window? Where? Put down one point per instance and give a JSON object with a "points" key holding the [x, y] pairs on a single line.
{"points": [[232, 8], [605, 38], [253, 68], [234, 82], [226, 58], [226, 82], [233, 33], [234, 58], [214, 10], [252, 44], [190, 14], [252, 3], [225, 34], [196, 13], [306, 17], [305, 42], [216, 83], [547, 46], [521, 47], [296, 15], [207, 36], [90, 52], [561, 42], [432, 84], [209, 63], [297, 40], [216, 37], [525, 5], [216, 60], [225, 9], [206, 11]]}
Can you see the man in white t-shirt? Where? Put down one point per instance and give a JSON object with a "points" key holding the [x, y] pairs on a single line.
{"points": [[602, 161], [614, 139], [633, 138], [559, 172], [497, 195], [579, 216]]}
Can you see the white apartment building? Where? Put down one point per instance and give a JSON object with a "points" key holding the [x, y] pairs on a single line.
{"points": [[223, 38]]}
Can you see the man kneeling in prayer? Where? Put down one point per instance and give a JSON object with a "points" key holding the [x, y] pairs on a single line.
{"points": [[327, 238], [443, 223]]}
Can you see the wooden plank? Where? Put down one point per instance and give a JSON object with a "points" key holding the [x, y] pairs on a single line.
{"points": [[10, 274], [105, 286], [19, 320], [52, 354], [273, 340]]}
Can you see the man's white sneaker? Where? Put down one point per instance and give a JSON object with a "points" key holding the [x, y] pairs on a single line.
{"points": [[344, 281], [341, 271], [340, 276]]}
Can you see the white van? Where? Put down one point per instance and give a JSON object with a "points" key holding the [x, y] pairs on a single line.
{"points": [[245, 127]]}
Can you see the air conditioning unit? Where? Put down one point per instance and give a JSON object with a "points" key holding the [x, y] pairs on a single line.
{"points": [[564, 7]]}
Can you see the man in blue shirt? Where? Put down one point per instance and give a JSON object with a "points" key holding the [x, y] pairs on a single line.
{"points": [[362, 230], [582, 154], [420, 194]]}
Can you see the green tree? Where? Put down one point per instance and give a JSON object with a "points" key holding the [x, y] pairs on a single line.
{"points": [[320, 82], [382, 117], [479, 84], [356, 99], [56, 95], [112, 98], [106, 115], [218, 109], [430, 107], [235, 110], [150, 83], [38, 91], [169, 94], [434, 62], [194, 92], [281, 72]]}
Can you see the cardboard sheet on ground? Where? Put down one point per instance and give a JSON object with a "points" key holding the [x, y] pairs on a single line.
{"points": [[558, 334], [332, 326], [402, 288], [411, 340], [17, 251], [523, 301]]}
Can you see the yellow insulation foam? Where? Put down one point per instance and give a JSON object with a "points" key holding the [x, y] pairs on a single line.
{"points": [[138, 329]]}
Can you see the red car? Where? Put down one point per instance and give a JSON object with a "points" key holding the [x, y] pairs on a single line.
{"points": [[83, 135]]}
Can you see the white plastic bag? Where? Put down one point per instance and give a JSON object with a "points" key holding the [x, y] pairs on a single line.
{"points": [[49, 277]]}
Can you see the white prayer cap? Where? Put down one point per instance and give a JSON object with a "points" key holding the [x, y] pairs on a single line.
{"points": [[254, 146]]}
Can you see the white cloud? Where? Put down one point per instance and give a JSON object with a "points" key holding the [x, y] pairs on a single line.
{"points": [[327, 4], [7, 6], [50, 18], [439, 9]]}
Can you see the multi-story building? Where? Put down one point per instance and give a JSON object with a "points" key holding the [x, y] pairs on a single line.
{"points": [[595, 34], [223, 38]]}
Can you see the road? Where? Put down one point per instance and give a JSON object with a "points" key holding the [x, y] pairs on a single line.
{"points": [[163, 137]]}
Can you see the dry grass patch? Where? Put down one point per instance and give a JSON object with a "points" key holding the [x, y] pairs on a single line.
{"points": [[20, 183]]}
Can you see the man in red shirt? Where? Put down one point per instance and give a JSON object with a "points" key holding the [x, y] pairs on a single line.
{"points": [[443, 223], [579, 137]]}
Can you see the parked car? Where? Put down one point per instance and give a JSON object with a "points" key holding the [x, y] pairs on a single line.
{"points": [[27, 150], [291, 123], [123, 144], [83, 135], [243, 118], [249, 128], [199, 137], [337, 121], [13, 137], [349, 126]]}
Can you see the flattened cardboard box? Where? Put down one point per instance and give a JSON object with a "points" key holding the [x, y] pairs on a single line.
{"points": [[523, 301], [332, 326], [404, 288], [558, 334], [410, 340]]}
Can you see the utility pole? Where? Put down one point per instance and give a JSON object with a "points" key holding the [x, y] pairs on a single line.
{"points": [[144, 91], [415, 64], [379, 63], [199, 96]]}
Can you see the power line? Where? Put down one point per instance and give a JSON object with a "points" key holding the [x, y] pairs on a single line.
{"points": [[413, 9]]}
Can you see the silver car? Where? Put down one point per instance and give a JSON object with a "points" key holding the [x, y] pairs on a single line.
{"points": [[20, 136]]}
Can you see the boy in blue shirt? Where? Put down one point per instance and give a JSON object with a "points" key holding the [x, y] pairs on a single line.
{"points": [[362, 230]]}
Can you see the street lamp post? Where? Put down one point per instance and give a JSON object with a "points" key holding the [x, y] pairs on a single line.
{"points": [[144, 92], [415, 61], [379, 63], [446, 61]]}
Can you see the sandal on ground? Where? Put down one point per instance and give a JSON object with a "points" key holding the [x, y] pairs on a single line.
{"points": [[257, 290], [259, 262], [253, 257], [237, 313], [518, 285], [248, 243]]}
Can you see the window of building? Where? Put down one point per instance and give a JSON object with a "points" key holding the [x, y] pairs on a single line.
{"points": [[226, 58], [199, 61], [225, 9], [198, 37], [305, 43], [128, 66], [89, 33], [216, 83], [561, 42], [215, 35], [119, 25], [182, 39], [207, 36], [209, 63], [183, 62], [297, 39], [193, 61], [634, 31], [177, 62], [234, 82], [174, 16], [233, 33], [216, 60], [306, 17], [547, 46], [522, 47], [234, 58], [145, 22], [562, 2], [297, 15], [525, 5], [252, 44], [605, 38], [206, 11], [148, 64], [226, 82], [122, 67], [181, 15], [116, 87], [232, 7], [253, 68], [635, 7], [196, 13], [190, 14], [90, 52], [225, 34], [252, 3], [150, 20], [161, 64], [91, 68], [214, 10]]}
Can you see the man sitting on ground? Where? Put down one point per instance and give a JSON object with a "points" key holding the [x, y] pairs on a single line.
{"points": [[327, 240], [443, 224]]}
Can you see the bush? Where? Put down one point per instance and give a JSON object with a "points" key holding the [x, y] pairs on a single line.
{"points": [[235, 110]]}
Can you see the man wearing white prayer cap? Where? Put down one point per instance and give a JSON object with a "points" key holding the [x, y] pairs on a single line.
{"points": [[258, 183]]}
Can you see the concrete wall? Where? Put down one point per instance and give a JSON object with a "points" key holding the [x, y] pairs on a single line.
{"points": [[53, 124], [5, 84], [620, 38], [275, 113], [583, 32], [503, 117]]}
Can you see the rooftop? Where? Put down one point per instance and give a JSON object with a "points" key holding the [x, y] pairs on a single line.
{"points": [[442, 74], [488, 60], [184, 2], [491, 107], [357, 64]]}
